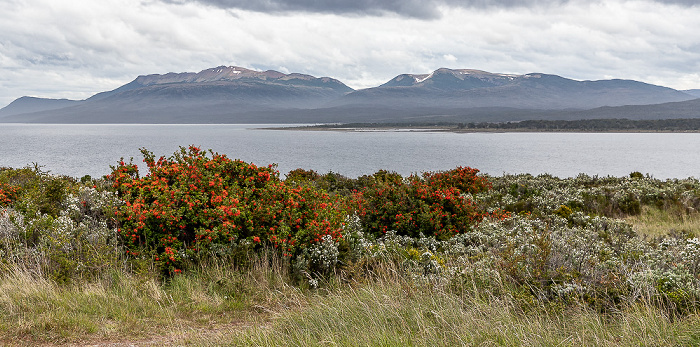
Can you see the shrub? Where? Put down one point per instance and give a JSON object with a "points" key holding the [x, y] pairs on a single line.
{"points": [[33, 191], [190, 203], [301, 175], [438, 204], [603, 196], [52, 225], [464, 179], [8, 194]]}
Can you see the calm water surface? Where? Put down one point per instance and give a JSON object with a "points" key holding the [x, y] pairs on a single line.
{"points": [[78, 150]]}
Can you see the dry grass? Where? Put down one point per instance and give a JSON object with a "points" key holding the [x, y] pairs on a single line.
{"points": [[121, 307], [395, 315], [654, 222], [261, 306]]}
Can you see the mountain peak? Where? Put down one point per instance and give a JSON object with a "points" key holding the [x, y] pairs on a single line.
{"points": [[236, 73], [470, 72], [445, 78]]}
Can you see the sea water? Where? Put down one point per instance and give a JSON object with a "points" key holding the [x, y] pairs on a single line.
{"points": [[78, 150]]}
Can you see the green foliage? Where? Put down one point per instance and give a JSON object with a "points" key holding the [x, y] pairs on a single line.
{"points": [[636, 174], [564, 212], [32, 190], [301, 175], [55, 226]]}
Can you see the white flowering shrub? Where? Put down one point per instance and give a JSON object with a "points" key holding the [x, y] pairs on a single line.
{"points": [[563, 244], [9, 235], [318, 260], [77, 238], [609, 196]]}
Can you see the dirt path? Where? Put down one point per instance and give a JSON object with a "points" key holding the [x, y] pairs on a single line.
{"points": [[196, 336]]}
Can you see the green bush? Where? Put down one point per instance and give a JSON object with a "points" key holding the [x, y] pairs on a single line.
{"points": [[53, 225], [34, 191]]}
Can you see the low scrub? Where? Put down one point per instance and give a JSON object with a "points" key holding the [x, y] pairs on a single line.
{"points": [[544, 245]]}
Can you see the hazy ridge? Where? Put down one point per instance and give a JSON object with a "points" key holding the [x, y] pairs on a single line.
{"points": [[238, 95]]}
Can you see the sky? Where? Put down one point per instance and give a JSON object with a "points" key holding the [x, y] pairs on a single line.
{"points": [[74, 49]]}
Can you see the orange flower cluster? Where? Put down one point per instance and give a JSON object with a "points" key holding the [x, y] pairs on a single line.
{"points": [[8, 193], [434, 204], [190, 201]]}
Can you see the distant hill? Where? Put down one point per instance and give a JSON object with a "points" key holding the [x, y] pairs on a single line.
{"points": [[226, 78], [693, 92], [214, 94], [229, 94], [474, 88], [28, 104], [670, 110]]}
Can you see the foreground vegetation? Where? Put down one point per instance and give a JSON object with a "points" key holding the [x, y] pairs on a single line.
{"points": [[206, 250]]}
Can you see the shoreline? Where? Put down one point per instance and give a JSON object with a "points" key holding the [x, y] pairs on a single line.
{"points": [[452, 129]]}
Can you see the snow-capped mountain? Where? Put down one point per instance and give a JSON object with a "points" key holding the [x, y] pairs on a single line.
{"points": [[230, 94], [475, 88]]}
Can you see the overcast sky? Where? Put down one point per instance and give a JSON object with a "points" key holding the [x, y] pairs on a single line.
{"points": [[73, 49]]}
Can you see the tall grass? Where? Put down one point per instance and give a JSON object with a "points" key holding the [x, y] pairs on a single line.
{"points": [[123, 306], [655, 222], [388, 316], [261, 305]]}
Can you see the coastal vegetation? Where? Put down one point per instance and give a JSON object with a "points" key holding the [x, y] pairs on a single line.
{"points": [[197, 248], [540, 125]]}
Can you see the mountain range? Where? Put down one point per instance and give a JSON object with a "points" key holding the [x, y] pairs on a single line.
{"points": [[229, 94]]}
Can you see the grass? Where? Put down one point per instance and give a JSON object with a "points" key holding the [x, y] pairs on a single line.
{"points": [[221, 305], [655, 222], [381, 316], [127, 307], [35, 310]]}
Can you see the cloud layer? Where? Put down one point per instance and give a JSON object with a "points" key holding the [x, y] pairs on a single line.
{"points": [[410, 8], [75, 49]]}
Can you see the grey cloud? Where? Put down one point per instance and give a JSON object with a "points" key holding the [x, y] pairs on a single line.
{"points": [[409, 8], [426, 9], [689, 3]]}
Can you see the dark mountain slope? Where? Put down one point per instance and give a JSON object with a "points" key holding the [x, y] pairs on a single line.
{"points": [[669, 110], [474, 88], [186, 97], [237, 95]]}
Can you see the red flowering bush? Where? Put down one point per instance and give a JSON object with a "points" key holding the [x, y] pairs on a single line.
{"points": [[189, 202], [8, 193], [464, 179], [435, 204]]}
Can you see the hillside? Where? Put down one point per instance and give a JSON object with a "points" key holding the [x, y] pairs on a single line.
{"points": [[28, 104], [472, 88], [238, 95]]}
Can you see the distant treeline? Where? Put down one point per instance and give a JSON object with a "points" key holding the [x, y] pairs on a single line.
{"points": [[670, 125], [692, 124]]}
